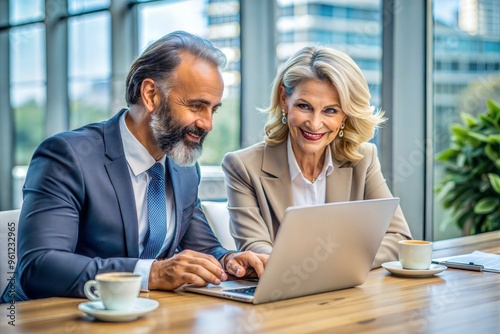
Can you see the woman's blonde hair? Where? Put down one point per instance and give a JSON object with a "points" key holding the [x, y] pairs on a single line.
{"points": [[327, 64]]}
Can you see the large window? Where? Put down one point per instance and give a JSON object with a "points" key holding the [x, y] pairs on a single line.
{"points": [[21, 12], [466, 74], [354, 27], [217, 21], [89, 68], [27, 86], [82, 6]]}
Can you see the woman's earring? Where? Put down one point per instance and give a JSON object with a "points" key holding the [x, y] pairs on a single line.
{"points": [[341, 133], [283, 119]]}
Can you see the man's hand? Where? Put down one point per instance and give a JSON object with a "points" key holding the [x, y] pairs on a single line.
{"points": [[185, 267], [245, 264]]}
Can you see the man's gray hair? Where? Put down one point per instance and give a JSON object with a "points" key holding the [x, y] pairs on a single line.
{"points": [[161, 58]]}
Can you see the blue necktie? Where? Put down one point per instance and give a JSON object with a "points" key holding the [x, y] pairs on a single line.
{"points": [[157, 213]]}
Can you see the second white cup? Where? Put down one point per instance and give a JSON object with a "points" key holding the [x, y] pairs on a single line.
{"points": [[415, 254], [117, 291]]}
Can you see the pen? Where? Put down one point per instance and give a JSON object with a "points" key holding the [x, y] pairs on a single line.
{"points": [[459, 265]]}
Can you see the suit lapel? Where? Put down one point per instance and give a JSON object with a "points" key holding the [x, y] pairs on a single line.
{"points": [[338, 184], [119, 175], [276, 183]]}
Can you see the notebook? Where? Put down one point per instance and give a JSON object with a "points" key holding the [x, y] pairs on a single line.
{"points": [[476, 261], [317, 249]]}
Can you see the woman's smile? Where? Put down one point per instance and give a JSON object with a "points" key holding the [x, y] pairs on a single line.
{"points": [[310, 135]]}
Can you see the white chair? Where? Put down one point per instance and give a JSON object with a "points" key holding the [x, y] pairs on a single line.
{"points": [[8, 243], [218, 219]]}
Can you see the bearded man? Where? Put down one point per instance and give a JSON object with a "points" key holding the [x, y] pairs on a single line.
{"points": [[87, 205]]}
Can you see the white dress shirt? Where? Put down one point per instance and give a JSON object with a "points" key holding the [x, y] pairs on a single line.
{"points": [[139, 161], [304, 191]]}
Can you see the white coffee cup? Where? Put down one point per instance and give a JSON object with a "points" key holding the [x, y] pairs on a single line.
{"points": [[117, 291], [415, 254]]}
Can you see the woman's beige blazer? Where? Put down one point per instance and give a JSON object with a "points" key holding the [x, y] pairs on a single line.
{"points": [[259, 190]]}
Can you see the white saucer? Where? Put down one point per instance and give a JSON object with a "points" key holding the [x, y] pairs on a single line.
{"points": [[395, 268], [97, 310]]}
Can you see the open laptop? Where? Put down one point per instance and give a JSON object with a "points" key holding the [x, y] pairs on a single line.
{"points": [[318, 248]]}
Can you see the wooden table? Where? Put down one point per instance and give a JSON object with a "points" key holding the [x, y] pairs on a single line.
{"points": [[454, 301]]}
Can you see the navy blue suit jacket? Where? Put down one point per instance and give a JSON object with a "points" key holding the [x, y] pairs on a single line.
{"points": [[79, 216]]}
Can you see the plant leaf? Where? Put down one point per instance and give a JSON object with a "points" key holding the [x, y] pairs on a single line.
{"points": [[495, 182], [444, 189], [478, 136], [493, 154], [458, 131], [487, 120], [494, 139], [468, 120], [480, 169], [486, 205], [493, 109], [461, 158], [447, 154]]}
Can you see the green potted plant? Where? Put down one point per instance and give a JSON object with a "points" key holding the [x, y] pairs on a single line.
{"points": [[470, 188]]}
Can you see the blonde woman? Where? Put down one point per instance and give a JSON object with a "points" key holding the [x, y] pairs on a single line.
{"points": [[316, 151]]}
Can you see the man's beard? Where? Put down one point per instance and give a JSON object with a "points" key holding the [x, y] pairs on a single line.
{"points": [[171, 136]]}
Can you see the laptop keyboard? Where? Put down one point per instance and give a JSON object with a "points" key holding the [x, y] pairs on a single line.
{"points": [[246, 291]]}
